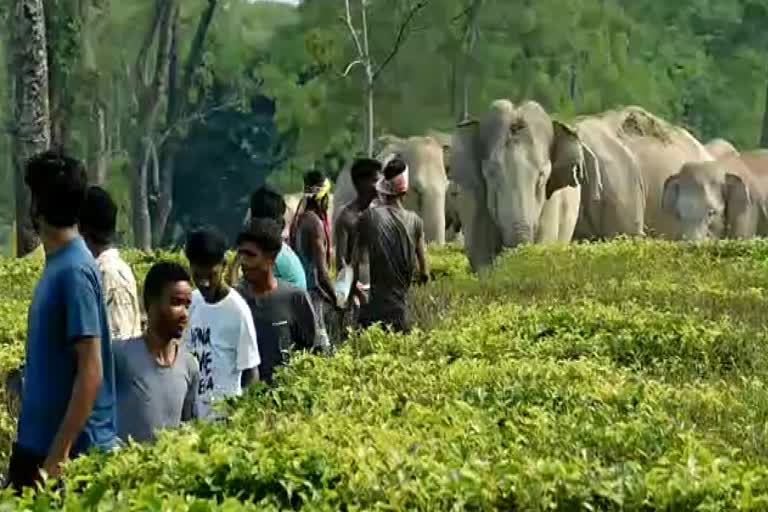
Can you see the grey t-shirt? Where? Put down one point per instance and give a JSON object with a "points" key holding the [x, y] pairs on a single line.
{"points": [[284, 321], [150, 396], [390, 235]]}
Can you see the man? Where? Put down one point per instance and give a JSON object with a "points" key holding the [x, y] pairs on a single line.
{"points": [[221, 334], [282, 313], [268, 203], [394, 240], [365, 174], [68, 398], [157, 378], [98, 220], [310, 238]]}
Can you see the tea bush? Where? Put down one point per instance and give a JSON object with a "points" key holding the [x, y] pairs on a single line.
{"points": [[621, 376]]}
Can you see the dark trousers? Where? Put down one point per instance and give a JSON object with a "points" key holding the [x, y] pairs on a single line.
{"points": [[395, 319], [24, 468]]}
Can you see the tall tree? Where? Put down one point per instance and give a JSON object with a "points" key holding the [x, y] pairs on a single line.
{"points": [[31, 118]]}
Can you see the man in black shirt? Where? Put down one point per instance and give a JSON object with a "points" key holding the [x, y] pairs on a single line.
{"points": [[282, 313]]}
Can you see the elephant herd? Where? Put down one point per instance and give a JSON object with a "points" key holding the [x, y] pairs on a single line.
{"points": [[517, 175]]}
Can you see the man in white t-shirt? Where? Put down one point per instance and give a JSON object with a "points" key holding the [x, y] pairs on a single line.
{"points": [[221, 333]]}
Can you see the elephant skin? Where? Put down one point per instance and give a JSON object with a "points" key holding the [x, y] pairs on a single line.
{"points": [[427, 181], [520, 176], [727, 198]]}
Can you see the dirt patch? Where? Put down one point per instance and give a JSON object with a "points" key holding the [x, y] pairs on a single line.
{"points": [[638, 123]]}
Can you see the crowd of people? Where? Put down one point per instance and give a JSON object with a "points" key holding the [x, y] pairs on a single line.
{"points": [[96, 374]]}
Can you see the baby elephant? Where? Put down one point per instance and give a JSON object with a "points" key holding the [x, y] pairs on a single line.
{"points": [[727, 198]]}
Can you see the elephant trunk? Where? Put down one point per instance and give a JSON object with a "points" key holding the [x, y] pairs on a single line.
{"points": [[517, 233]]}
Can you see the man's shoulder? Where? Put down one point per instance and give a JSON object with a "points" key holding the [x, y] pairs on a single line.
{"points": [[289, 290], [128, 346], [189, 361], [238, 301]]}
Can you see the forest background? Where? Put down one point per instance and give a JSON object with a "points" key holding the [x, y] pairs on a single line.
{"points": [[182, 107]]}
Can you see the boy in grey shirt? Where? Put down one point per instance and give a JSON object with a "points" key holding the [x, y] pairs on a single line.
{"points": [[156, 377]]}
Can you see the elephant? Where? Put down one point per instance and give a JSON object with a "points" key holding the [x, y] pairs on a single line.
{"points": [[720, 147], [520, 175], [428, 181], [727, 198], [452, 216], [629, 152]]}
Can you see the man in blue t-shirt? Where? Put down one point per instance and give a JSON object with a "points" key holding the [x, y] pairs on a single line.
{"points": [[68, 397]]}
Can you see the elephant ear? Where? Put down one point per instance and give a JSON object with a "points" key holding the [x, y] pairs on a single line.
{"points": [[465, 156], [670, 193], [737, 198], [567, 157]]}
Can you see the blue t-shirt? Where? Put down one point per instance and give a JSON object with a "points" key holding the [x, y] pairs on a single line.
{"points": [[67, 305], [288, 268]]}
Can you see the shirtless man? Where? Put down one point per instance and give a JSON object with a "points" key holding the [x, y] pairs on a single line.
{"points": [[310, 238], [365, 173]]}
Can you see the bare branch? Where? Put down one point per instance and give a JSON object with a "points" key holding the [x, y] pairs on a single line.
{"points": [[402, 35], [352, 65], [348, 21]]}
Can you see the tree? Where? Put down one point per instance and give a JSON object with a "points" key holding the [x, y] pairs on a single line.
{"points": [[31, 126], [364, 58]]}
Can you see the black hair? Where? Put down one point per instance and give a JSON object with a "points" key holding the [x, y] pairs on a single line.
{"points": [[363, 168], [266, 233], [58, 184], [313, 178], [395, 167], [205, 246], [159, 276], [267, 202], [98, 215]]}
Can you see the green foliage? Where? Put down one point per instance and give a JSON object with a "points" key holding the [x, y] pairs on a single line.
{"points": [[619, 376]]}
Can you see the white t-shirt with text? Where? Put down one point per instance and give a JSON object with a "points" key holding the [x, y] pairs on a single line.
{"points": [[222, 337]]}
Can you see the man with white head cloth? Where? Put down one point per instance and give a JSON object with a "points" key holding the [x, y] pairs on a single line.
{"points": [[393, 237]]}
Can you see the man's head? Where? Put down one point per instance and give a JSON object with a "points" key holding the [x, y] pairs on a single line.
{"points": [[206, 250], [318, 188], [365, 173], [98, 218], [267, 202], [58, 185], [395, 180], [167, 296], [258, 245]]}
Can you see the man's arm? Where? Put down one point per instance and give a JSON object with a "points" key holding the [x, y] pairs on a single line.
{"points": [[359, 246], [84, 391], [341, 240], [303, 327], [317, 234], [189, 409], [421, 253], [248, 357]]}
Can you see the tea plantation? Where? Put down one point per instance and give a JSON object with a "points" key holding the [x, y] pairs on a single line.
{"points": [[620, 376]]}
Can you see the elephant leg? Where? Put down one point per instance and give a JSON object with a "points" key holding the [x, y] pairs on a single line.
{"points": [[569, 213]]}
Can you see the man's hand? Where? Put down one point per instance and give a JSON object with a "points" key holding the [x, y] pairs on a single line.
{"points": [[52, 465]]}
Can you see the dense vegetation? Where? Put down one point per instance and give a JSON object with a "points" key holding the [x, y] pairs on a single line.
{"points": [[268, 95], [628, 375]]}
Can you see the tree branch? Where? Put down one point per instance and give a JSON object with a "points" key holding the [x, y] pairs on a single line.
{"points": [[195, 55], [348, 21], [401, 36]]}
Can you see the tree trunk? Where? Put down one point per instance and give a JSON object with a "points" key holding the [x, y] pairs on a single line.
{"points": [[149, 107], [178, 92], [369, 82], [470, 40], [97, 143], [31, 130]]}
